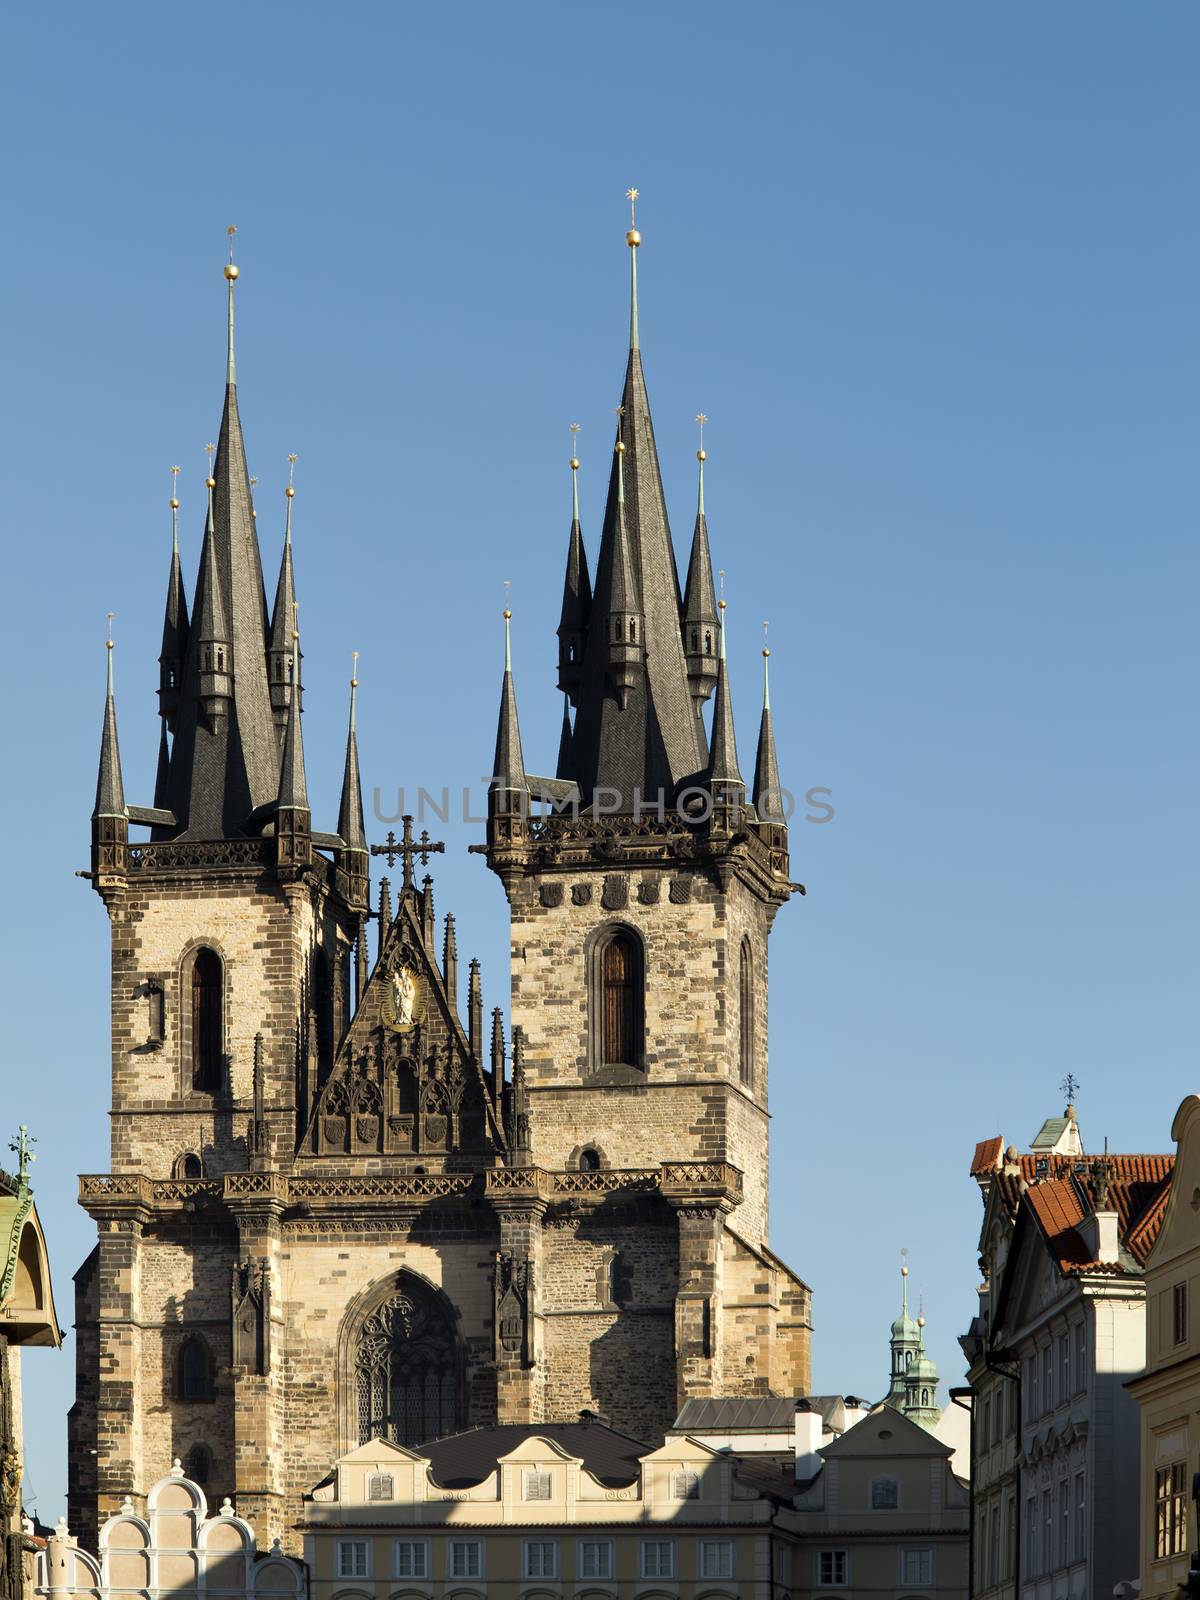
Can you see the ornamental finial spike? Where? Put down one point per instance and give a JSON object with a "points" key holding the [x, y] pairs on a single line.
{"points": [[231, 273], [507, 629], [575, 472], [354, 670], [290, 490], [633, 238], [701, 457], [766, 655], [231, 270]]}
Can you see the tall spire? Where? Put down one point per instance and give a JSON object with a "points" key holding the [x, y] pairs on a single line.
{"points": [[577, 593], [110, 818], [723, 761], [175, 623], [626, 634], [223, 769], [293, 819], [648, 741], [768, 791], [700, 620], [110, 787], [633, 239], [508, 768], [350, 812], [283, 618], [214, 648]]}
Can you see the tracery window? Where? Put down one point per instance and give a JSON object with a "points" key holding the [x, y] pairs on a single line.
{"points": [[406, 1370], [207, 1021]]}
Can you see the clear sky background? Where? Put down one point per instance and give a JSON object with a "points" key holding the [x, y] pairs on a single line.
{"points": [[931, 270]]}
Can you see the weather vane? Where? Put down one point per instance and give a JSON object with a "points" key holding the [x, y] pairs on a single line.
{"points": [[1070, 1087]]}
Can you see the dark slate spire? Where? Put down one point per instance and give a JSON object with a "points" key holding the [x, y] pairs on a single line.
{"points": [[283, 620], [162, 774], [723, 767], [350, 813], [110, 817], [110, 787], [175, 626], [768, 791], [564, 766], [577, 598], [226, 766], [700, 621], [653, 741], [626, 632], [508, 767]]}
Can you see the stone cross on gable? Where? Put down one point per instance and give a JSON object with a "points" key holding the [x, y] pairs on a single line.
{"points": [[407, 848]]}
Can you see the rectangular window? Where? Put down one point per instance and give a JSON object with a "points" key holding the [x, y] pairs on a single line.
{"points": [[1009, 1555], [1047, 1530], [541, 1558], [985, 1423], [412, 1558], [595, 1558], [1031, 1537], [1064, 1367], [1179, 1306], [352, 1558], [1047, 1379], [658, 1558], [916, 1566], [1170, 1511], [831, 1568], [466, 1558], [1080, 1516], [1081, 1366], [993, 1566], [716, 1558], [1064, 1522], [537, 1486]]}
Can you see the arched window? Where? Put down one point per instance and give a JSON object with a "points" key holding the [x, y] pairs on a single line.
{"points": [[194, 1372], [746, 1014], [589, 1160], [208, 1030], [406, 1369], [621, 1002], [197, 1464], [189, 1166]]}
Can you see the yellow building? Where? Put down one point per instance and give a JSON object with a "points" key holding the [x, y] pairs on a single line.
{"points": [[1168, 1391], [552, 1509]]}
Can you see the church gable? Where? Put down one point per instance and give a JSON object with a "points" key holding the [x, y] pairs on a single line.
{"points": [[404, 1081]]}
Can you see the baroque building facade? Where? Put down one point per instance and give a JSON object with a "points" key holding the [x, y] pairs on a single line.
{"points": [[335, 1211]]}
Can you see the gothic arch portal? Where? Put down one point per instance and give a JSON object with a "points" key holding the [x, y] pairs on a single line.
{"points": [[401, 1368]]}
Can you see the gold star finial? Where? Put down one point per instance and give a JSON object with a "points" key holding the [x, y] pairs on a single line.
{"points": [[701, 419], [110, 637], [354, 670], [632, 238], [231, 271], [574, 443], [174, 488], [766, 625], [721, 601], [209, 481], [290, 490]]}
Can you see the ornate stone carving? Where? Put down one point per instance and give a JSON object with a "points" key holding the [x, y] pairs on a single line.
{"points": [[615, 895], [551, 895], [649, 890], [513, 1286], [581, 894], [250, 1305], [680, 892]]}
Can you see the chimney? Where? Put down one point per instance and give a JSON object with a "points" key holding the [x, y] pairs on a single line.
{"points": [[808, 1429]]}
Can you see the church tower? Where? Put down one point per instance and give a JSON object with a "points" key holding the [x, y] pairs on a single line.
{"points": [[335, 1210], [642, 897]]}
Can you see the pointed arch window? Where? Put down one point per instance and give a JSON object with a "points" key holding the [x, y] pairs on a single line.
{"points": [[208, 1021], [746, 1014], [194, 1371], [621, 1001], [407, 1369]]}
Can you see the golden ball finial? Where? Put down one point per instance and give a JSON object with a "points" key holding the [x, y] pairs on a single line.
{"points": [[290, 492], [620, 447], [766, 653], [231, 270], [720, 605], [108, 644], [174, 503], [701, 455], [633, 238], [295, 633], [920, 1322], [904, 1272], [574, 463], [210, 483], [507, 614]]}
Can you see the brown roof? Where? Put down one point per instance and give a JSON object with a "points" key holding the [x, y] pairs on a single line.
{"points": [[987, 1155], [1137, 1191], [463, 1459]]}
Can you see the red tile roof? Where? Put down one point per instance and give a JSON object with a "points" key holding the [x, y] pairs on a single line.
{"points": [[1137, 1191], [987, 1155]]}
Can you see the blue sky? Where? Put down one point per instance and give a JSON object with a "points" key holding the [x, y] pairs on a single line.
{"points": [[931, 271]]}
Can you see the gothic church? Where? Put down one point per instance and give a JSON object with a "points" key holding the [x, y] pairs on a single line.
{"points": [[335, 1209]]}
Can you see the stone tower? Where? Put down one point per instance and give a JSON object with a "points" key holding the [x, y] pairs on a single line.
{"points": [[334, 1210], [642, 897]]}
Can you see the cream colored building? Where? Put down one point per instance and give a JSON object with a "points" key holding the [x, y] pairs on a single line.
{"points": [[1168, 1391], [572, 1508]]}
